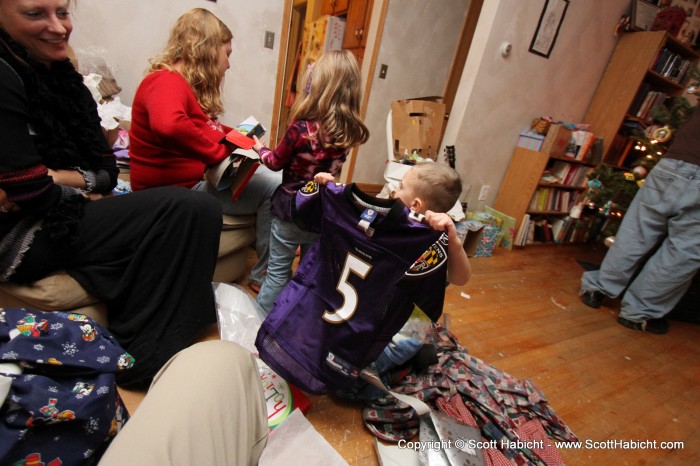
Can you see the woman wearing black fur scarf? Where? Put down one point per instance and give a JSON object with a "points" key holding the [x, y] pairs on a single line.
{"points": [[148, 256]]}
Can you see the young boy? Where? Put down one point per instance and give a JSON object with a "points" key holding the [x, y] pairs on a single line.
{"points": [[432, 189]]}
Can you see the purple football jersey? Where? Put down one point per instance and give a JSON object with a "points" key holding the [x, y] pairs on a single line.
{"points": [[355, 287]]}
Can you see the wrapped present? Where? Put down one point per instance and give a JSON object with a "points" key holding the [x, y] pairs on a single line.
{"points": [[485, 218], [478, 239], [490, 235], [530, 140]]}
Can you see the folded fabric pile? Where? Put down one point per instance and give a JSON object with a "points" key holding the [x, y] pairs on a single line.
{"points": [[59, 397]]}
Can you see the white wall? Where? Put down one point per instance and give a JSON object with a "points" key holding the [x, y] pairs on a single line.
{"points": [[418, 46], [498, 97], [126, 33]]}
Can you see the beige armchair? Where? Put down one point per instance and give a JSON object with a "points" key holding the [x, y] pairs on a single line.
{"points": [[60, 292]]}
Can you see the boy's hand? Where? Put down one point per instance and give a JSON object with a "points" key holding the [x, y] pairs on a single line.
{"points": [[258, 144], [323, 178], [439, 221]]}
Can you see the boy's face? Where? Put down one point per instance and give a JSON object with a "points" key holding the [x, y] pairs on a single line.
{"points": [[406, 192]]}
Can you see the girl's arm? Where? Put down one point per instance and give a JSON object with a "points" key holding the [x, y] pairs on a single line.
{"points": [[281, 156]]}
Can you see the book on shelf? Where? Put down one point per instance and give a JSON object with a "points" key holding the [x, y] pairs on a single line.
{"points": [[653, 99], [235, 171], [636, 104], [672, 66], [583, 140], [521, 237]]}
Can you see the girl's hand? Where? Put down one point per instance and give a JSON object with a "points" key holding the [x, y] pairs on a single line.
{"points": [[323, 178], [258, 144]]}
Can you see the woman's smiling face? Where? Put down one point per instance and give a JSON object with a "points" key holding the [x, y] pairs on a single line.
{"points": [[42, 27]]}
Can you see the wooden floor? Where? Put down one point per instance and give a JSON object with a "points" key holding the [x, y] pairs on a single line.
{"points": [[521, 313]]}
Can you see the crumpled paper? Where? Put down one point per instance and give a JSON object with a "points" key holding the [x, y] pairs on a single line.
{"points": [[295, 442], [113, 111], [239, 315]]}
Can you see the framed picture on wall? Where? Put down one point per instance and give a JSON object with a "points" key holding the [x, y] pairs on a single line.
{"points": [[548, 27], [643, 14]]}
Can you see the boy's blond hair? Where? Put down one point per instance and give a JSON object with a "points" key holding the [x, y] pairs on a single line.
{"points": [[438, 185]]}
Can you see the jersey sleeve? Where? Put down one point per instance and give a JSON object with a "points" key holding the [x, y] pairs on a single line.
{"points": [[308, 205], [425, 282]]}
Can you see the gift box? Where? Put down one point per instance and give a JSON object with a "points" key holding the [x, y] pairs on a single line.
{"points": [[490, 235], [556, 141], [480, 242], [530, 140]]}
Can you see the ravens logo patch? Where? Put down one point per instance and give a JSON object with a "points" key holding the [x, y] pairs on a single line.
{"points": [[309, 189], [432, 259]]}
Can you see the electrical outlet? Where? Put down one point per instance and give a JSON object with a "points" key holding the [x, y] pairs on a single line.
{"points": [[484, 192], [269, 39]]}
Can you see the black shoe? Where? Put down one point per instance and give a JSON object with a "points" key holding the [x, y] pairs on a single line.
{"points": [[592, 299], [657, 326]]}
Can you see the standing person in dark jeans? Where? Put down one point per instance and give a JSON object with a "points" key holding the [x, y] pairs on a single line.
{"points": [[664, 213], [149, 257]]}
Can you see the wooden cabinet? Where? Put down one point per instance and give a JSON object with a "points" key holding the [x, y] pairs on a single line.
{"points": [[357, 14], [334, 7], [642, 63], [525, 191], [356, 26]]}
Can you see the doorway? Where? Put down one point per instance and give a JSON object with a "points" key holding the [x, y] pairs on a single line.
{"points": [[299, 12]]}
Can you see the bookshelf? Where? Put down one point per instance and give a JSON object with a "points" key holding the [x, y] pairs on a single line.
{"points": [[525, 191], [645, 68]]}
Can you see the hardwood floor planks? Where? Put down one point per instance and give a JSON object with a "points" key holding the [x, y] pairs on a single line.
{"points": [[522, 314]]}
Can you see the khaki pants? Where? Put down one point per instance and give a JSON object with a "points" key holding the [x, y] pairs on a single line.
{"points": [[205, 406]]}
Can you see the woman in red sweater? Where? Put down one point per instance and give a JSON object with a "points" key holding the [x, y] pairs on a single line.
{"points": [[175, 131]]}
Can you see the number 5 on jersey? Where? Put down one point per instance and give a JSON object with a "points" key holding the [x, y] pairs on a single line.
{"points": [[360, 268]]}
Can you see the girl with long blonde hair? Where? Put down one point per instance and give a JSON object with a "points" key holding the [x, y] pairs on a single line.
{"points": [[326, 124], [175, 129]]}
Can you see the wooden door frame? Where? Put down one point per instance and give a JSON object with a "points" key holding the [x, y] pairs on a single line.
{"points": [[460, 58], [369, 64]]}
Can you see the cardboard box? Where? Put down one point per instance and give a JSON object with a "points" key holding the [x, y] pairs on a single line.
{"points": [[469, 232], [530, 140], [322, 35], [556, 141], [416, 125]]}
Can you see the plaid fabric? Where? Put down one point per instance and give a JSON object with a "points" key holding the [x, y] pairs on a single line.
{"points": [[476, 393], [390, 419], [532, 430]]}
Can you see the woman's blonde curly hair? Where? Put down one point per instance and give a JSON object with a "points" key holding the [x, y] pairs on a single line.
{"points": [[194, 43]]}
